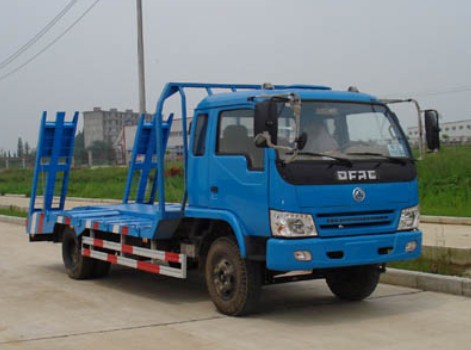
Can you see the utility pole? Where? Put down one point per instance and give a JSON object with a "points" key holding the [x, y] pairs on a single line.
{"points": [[140, 55]]}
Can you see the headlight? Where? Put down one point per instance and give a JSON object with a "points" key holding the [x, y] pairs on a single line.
{"points": [[409, 219], [284, 224]]}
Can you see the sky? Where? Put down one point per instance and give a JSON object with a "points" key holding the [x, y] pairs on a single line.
{"points": [[401, 48]]}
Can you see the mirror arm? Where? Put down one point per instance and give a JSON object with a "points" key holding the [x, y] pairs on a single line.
{"points": [[419, 116], [295, 105], [266, 137]]}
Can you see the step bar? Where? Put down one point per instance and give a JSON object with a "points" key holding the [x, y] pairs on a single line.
{"points": [[157, 261]]}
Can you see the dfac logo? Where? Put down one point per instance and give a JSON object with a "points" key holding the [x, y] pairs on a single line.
{"points": [[352, 175], [358, 195]]}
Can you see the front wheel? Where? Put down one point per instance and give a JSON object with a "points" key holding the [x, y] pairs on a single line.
{"points": [[354, 283], [233, 283]]}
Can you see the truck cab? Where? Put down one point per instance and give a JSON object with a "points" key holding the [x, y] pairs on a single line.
{"points": [[347, 197]]}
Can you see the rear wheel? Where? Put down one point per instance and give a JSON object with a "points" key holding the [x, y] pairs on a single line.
{"points": [[233, 283], [354, 283], [76, 265]]}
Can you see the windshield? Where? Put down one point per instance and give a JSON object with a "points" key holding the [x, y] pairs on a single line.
{"points": [[347, 130]]}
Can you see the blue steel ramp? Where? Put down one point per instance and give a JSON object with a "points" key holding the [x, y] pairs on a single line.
{"points": [[51, 171]]}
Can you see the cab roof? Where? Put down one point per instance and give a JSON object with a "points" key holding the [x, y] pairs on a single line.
{"points": [[305, 92]]}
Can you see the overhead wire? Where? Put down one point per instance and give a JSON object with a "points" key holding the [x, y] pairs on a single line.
{"points": [[445, 92], [38, 35], [455, 90], [3, 77]]}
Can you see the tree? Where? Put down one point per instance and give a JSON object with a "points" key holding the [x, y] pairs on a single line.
{"points": [[80, 153], [20, 148], [27, 149], [103, 153]]}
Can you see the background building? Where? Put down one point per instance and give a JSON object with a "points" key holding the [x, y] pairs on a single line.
{"points": [[100, 126], [117, 130], [105, 126], [450, 132]]}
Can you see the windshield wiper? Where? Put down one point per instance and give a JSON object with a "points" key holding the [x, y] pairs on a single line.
{"points": [[340, 160], [396, 160]]}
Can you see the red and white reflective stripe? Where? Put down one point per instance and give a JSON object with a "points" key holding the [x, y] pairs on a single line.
{"points": [[116, 228], [135, 264], [94, 225], [120, 229], [37, 223], [129, 249], [63, 220]]}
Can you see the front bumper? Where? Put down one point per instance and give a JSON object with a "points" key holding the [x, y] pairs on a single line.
{"points": [[341, 251]]}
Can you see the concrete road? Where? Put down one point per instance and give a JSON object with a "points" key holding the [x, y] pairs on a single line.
{"points": [[41, 308]]}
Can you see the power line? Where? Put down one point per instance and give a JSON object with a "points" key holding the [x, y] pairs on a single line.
{"points": [[446, 92], [454, 90], [51, 43], [38, 35]]}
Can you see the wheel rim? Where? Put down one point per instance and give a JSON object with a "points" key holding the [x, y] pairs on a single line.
{"points": [[224, 279]]}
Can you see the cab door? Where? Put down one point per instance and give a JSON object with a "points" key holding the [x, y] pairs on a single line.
{"points": [[198, 162], [238, 178]]}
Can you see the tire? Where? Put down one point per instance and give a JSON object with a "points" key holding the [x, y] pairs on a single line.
{"points": [[76, 265], [354, 283], [233, 283]]}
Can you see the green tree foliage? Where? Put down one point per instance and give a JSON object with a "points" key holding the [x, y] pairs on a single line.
{"points": [[102, 153]]}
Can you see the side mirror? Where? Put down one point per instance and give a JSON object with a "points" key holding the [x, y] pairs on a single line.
{"points": [[266, 119], [432, 129]]}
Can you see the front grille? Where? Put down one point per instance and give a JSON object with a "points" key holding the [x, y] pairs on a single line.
{"points": [[341, 224]]}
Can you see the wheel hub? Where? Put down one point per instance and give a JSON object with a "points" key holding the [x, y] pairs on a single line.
{"points": [[224, 278]]}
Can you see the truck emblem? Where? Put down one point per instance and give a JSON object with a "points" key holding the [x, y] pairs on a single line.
{"points": [[358, 175], [358, 194]]}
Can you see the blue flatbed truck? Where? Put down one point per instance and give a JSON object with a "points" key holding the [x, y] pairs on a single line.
{"points": [[267, 197]]}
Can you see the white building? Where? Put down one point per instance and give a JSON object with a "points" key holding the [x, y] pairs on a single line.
{"points": [[105, 126], [450, 132]]}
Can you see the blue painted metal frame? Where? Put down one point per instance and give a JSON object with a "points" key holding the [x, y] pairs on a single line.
{"points": [[145, 146], [55, 143]]}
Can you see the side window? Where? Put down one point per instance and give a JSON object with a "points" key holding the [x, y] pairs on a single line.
{"points": [[235, 137], [199, 145]]}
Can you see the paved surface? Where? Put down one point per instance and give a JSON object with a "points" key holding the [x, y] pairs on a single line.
{"points": [[446, 235], [41, 308]]}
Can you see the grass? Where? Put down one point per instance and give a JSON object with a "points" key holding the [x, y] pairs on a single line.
{"points": [[13, 211], [436, 266], [445, 182], [15, 181], [97, 182]]}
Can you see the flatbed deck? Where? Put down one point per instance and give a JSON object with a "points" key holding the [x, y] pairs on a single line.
{"points": [[138, 220]]}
